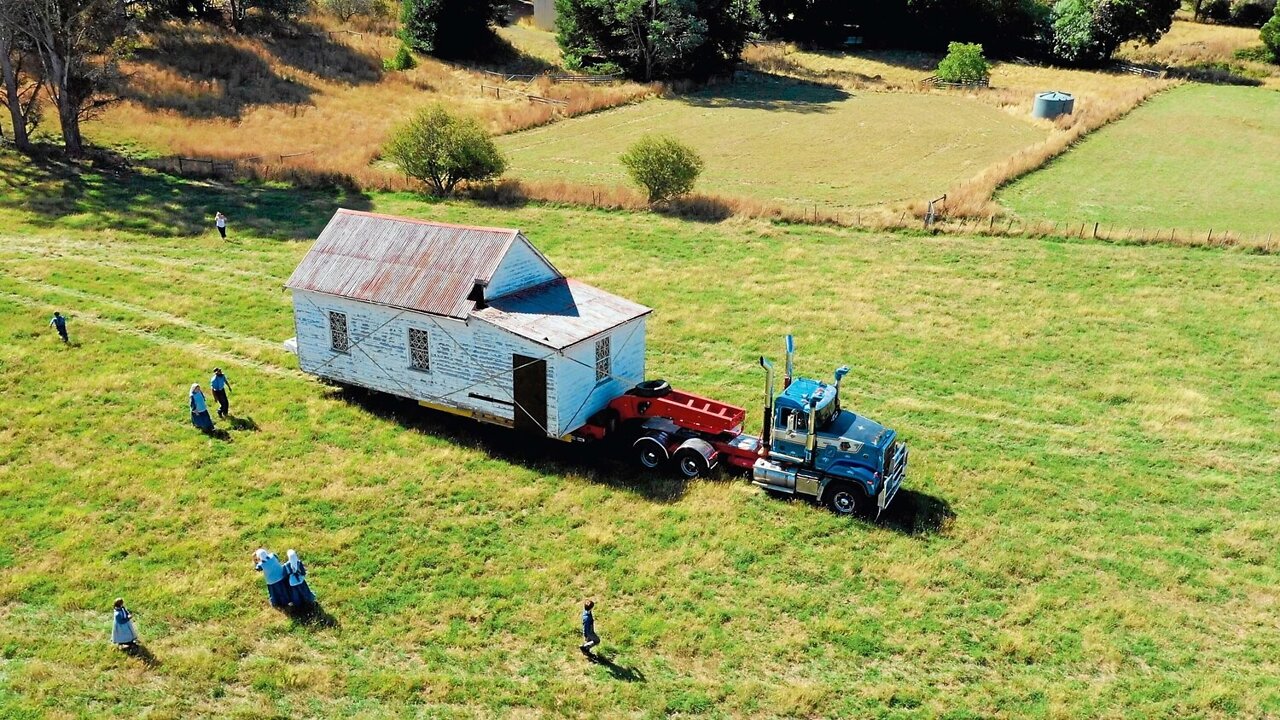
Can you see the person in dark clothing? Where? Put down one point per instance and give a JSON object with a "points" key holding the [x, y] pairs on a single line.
{"points": [[589, 636], [220, 386], [60, 324], [220, 221]]}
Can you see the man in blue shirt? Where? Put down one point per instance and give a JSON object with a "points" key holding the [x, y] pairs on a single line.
{"points": [[219, 385], [60, 323], [588, 629]]}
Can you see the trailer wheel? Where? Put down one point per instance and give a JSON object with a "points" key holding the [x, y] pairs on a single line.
{"points": [[651, 453], [846, 501], [690, 464]]}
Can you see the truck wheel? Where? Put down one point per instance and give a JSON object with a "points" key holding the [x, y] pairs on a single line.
{"points": [[846, 500], [650, 453], [690, 464]]}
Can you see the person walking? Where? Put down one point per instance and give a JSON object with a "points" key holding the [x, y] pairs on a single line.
{"points": [[274, 574], [300, 595], [589, 636], [200, 409], [59, 323], [220, 386], [123, 633], [220, 221]]}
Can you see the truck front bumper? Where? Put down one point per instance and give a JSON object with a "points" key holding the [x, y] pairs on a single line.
{"points": [[893, 482]]}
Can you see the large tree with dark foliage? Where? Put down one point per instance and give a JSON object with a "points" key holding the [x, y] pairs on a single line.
{"points": [[1088, 32], [77, 43], [650, 39], [450, 28]]}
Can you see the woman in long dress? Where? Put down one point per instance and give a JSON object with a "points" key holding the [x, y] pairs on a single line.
{"points": [[299, 592], [123, 633], [200, 409], [274, 575]]}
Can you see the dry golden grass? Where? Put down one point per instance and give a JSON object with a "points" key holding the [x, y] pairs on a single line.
{"points": [[1191, 45], [197, 91]]}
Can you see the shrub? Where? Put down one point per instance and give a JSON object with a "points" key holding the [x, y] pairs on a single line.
{"points": [[1251, 13], [402, 60], [964, 63], [663, 166], [442, 150], [1271, 35]]}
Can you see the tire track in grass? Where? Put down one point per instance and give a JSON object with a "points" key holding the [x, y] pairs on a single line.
{"points": [[196, 348], [157, 315]]}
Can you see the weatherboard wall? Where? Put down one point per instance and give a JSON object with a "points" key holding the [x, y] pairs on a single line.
{"points": [[581, 395], [522, 267], [470, 364]]}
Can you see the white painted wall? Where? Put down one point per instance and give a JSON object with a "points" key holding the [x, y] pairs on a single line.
{"points": [[466, 358], [520, 268], [580, 396]]}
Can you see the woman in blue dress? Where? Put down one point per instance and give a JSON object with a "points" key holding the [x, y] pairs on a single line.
{"points": [[123, 633], [299, 592], [200, 409], [274, 575]]}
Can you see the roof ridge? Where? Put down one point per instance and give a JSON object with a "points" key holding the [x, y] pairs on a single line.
{"points": [[418, 221]]}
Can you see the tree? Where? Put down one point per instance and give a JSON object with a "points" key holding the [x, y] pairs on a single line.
{"points": [[1088, 31], [964, 63], [450, 28], [442, 150], [20, 84], [1271, 34], [344, 10], [77, 43], [649, 39], [663, 166]]}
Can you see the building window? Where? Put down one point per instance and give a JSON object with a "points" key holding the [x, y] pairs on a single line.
{"points": [[419, 350], [603, 364], [338, 339]]}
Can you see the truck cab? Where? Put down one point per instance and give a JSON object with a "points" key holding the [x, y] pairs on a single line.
{"points": [[815, 447]]}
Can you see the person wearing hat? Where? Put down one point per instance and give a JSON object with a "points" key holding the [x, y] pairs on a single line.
{"points": [[273, 573], [220, 386], [199, 409]]}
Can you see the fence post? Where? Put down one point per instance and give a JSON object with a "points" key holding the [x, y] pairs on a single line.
{"points": [[1210, 238]]}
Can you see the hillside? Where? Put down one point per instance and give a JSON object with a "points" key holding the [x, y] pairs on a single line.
{"points": [[1087, 528]]}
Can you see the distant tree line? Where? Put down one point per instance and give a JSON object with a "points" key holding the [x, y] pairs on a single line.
{"points": [[1246, 13]]}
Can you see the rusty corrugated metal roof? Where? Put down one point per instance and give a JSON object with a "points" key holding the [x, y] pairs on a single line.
{"points": [[560, 313], [401, 262]]}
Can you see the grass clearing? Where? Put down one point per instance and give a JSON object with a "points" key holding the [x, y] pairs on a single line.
{"points": [[1088, 529], [787, 143], [1197, 158]]}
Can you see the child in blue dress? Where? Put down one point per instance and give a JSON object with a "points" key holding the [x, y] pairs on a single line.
{"points": [[200, 409], [300, 594], [123, 633], [274, 575]]}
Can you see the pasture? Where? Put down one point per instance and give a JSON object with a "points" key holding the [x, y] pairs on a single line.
{"points": [[786, 143], [1088, 531], [1196, 158]]}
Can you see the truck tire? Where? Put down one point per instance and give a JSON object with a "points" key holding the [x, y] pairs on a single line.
{"points": [[846, 500], [694, 458], [650, 453], [652, 388]]}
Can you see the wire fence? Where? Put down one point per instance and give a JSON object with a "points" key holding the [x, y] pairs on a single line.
{"points": [[497, 93], [555, 77]]}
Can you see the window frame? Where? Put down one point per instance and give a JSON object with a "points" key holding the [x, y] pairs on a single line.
{"points": [[604, 362], [346, 333], [426, 348]]}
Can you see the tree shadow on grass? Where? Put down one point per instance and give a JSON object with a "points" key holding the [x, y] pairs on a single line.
{"points": [[760, 91], [316, 52], [107, 194], [598, 462]]}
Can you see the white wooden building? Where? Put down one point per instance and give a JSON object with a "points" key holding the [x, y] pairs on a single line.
{"points": [[470, 320]]}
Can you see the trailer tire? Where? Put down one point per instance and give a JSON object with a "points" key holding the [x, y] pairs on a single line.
{"points": [[652, 388], [846, 500], [694, 458], [650, 453]]}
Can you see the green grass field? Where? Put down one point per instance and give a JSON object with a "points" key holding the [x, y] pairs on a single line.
{"points": [[1089, 529], [790, 144], [1195, 158]]}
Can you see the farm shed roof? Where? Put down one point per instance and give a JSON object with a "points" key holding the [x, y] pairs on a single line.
{"points": [[560, 313], [417, 265]]}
